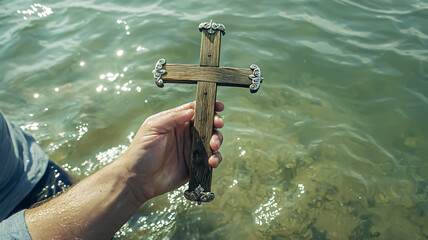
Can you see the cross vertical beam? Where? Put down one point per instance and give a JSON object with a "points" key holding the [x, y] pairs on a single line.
{"points": [[204, 115]]}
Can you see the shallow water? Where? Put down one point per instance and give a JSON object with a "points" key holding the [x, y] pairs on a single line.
{"points": [[333, 146]]}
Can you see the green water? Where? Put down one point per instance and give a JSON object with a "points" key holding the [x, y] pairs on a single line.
{"points": [[333, 146]]}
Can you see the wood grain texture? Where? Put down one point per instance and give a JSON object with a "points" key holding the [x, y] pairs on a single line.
{"points": [[200, 170], [210, 49], [182, 73]]}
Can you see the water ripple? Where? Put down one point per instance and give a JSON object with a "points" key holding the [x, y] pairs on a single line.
{"points": [[372, 8], [330, 26], [331, 147]]}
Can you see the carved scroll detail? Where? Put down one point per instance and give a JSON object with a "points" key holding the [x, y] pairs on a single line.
{"points": [[212, 27], [199, 195], [158, 72], [256, 78]]}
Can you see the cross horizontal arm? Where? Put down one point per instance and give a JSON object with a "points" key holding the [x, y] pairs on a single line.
{"points": [[182, 73]]}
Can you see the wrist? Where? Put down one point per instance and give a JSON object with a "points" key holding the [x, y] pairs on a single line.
{"points": [[133, 183], [95, 208]]}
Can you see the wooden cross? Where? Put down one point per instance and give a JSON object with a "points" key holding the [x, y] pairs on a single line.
{"points": [[207, 76]]}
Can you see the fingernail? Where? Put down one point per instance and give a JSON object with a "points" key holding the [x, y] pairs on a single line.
{"points": [[214, 161]]}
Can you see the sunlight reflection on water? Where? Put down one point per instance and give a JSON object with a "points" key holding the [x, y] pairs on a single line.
{"points": [[267, 211], [36, 9]]}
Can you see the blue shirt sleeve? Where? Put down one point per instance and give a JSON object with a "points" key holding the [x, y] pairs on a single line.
{"points": [[14, 227], [22, 165]]}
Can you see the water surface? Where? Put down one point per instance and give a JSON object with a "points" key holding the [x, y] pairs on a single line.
{"points": [[333, 146]]}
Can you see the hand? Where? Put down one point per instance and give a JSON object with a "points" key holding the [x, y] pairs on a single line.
{"points": [[155, 163], [160, 152]]}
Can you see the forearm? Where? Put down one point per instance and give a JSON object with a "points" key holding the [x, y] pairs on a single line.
{"points": [[95, 208]]}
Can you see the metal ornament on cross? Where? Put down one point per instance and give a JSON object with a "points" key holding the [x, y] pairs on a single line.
{"points": [[208, 75]]}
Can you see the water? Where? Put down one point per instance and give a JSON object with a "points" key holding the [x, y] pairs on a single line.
{"points": [[333, 146]]}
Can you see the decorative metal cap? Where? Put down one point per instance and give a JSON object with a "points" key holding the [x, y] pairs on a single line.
{"points": [[212, 27], [199, 195], [158, 72], [256, 78]]}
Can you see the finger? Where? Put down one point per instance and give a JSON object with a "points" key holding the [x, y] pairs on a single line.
{"points": [[190, 105], [167, 120], [219, 106], [179, 115], [218, 121], [215, 160], [216, 140]]}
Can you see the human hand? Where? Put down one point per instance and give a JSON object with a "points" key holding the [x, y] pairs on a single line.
{"points": [[159, 154], [156, 162]]}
